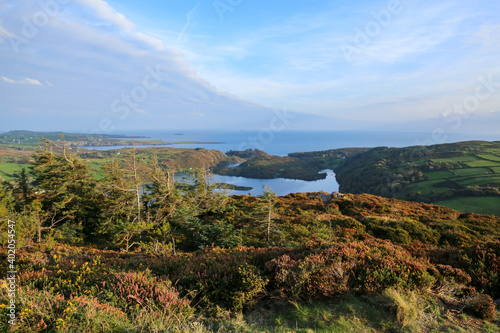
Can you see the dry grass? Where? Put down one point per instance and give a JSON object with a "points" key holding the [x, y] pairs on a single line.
{"points": [[411, 310]]}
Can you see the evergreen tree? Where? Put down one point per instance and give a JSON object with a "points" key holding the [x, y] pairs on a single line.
{"points": [[126, 219], [264, 215], [66, 188], [21, 191]]}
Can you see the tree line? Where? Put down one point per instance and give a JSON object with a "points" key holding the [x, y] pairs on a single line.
{"points": [[130, 203]]}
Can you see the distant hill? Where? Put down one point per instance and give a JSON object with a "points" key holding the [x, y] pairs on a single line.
{"points": [[463, 175], [446, 173], [56, 135]]}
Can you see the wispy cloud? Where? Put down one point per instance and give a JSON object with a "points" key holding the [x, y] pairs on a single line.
{"points": [[488, 35], [188, 21], [25, 80], [414, 68], [237, 70], [107, 13], [99, 73]]}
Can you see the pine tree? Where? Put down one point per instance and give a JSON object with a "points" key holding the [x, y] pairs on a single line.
{"points": [[66, 188], [264, 215], [126, 219]]}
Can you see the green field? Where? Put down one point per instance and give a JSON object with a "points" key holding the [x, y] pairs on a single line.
{"points": [[468, 158], [482, 163], [8, 169], [439, 174], [428, 187], [490, 157], [496, 169], [472, 172], [477, 181], [480, 205], [469, 168]]}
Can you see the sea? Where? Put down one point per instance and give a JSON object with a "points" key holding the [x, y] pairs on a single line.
{"points": [[282, 143]]}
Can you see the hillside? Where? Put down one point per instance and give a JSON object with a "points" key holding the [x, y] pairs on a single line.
{"points": [[132, 250], [446, 174], [180, 159], [463, 175], [305, 166], [360, 263]]}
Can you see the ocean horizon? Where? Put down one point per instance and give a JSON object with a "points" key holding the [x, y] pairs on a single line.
{"points": [[285, 142]]}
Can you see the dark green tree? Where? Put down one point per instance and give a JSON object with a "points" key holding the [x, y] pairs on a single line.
{"points": [[65, 186]]}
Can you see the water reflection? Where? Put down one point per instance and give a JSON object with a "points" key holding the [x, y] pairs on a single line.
{"points": [[280, 185]]}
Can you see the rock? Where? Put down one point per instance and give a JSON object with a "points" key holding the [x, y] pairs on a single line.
{"points": [[327, 198], [337, 195]]}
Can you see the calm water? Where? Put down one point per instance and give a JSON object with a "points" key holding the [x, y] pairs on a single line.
{"points": [[280, 186], [283, 143]]}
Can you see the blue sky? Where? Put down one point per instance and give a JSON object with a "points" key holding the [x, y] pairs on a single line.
{"points": [[106, 66]]}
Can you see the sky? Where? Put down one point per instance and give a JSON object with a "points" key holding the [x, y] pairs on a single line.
{"points": [[104, 66]]}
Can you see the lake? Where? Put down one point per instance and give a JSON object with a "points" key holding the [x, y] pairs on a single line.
{"points": [[281, 186], [283, 143]]}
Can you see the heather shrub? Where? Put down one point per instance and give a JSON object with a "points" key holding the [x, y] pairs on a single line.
{"points": [[42, 310], [451, 274], [455, 233], [367, 267], [385, 265], [481, 305], [216, 277], [122, 290], [400, 231], [347, 222], [140, 288], [481, 262]]}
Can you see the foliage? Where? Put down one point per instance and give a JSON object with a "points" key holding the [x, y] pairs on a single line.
{"points": [[194, 259], [66, 190]]}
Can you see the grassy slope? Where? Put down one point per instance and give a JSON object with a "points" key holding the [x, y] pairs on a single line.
{"points": [[465, 172], [440, 173], [462, 175], [13, 160], [63, 285], [480, 205]]}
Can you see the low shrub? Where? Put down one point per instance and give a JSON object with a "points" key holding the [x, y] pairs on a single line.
{"points": [[368, 267], [481, 305]]}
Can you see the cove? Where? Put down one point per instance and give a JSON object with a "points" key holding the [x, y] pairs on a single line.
{"points": [[280, 186]]}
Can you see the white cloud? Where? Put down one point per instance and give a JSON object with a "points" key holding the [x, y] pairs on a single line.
{"points": [[25, 80], [100, 74], [156, 43], [107, 13]]}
